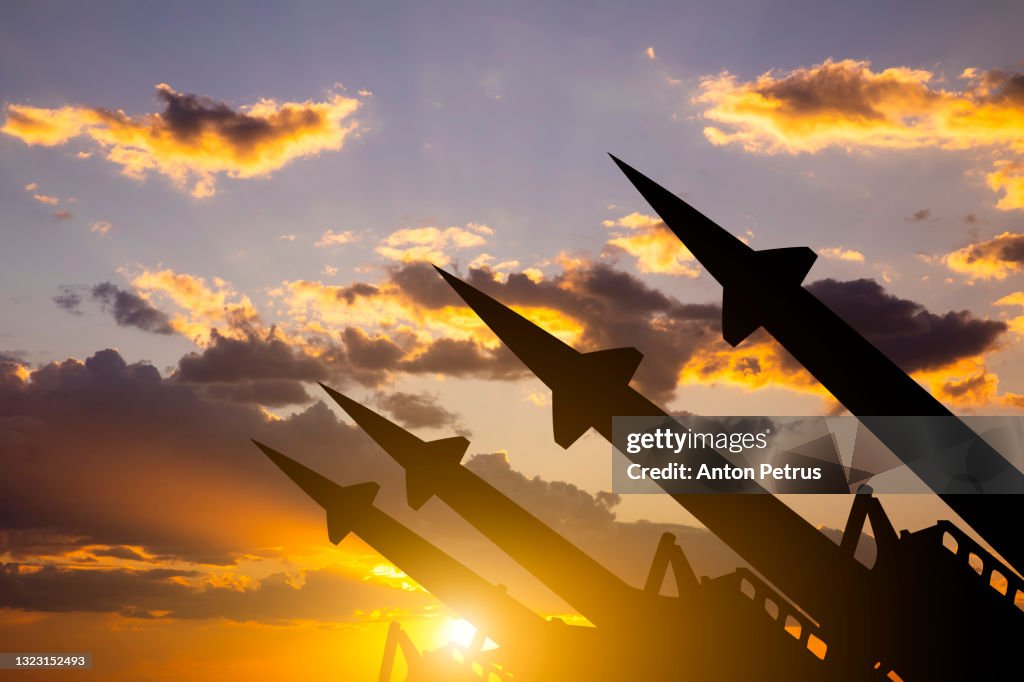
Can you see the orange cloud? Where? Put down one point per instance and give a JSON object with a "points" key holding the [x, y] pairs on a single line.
{"points": [[996, 258], [432, 244], [1008, 177], [332, 238], [195, 139], [44, 199], [204, 306], [759, 363], [846, 104], [655, 248], [839, 253]]}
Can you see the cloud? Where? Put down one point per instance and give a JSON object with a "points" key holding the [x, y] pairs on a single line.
{"points": [[650, 53], [332, 594], [69, 300], [45, 199], [101, 227], [131, 310], [95, 438], [995, 258], [332, 238], [260, 369], [419, 410], [655, 247], [204, 304], [937, 349], [62, 215], [846, 104], [194, 139], [32, 187], [432, 244], [839, 253], [919, 216], [1008, 177], [909, 334]]}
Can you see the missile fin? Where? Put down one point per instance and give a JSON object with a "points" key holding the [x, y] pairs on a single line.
{"points": [[569, 419], [435, 458], [789, 265], [446, 451], [616, 364], [339, 516], [740, 316]]}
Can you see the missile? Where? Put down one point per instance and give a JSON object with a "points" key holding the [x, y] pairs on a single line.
{"points": [[574, 378], [433, 468], [763, 289]]}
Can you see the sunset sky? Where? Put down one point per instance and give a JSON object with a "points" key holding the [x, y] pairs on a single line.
{"points": [[208, 208]]}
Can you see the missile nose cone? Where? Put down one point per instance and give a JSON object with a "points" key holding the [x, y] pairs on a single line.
{"points": [[326, 492], [343, 400], [476, 299], [660, 199], [395, 440], [628, 170]]}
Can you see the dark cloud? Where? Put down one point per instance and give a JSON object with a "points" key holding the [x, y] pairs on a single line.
{"points": [[464, 358], [617, 309], [971, 219], [69, 299], [999, 85], [830, 88], [919, 216], [421, 283], [910, 335], [131, 310], [254, 357], [326, 595], [269, 392], [119, 553], [419, 410], [186, 116], [1007, 247], [110, 453]]}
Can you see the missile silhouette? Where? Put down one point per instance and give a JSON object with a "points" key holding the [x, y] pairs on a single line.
{"points": [[854, 606], [634, 619], [433, 468], [536, 649], [539, 649], [763, 289]]}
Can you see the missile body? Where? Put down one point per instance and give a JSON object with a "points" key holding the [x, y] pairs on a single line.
{"points": [[763, 289], [858, 609]]}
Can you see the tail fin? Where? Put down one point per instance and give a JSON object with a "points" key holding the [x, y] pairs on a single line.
{"points": [[742, 313], [570, 416]]}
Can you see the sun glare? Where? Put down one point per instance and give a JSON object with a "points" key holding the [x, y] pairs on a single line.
{"points": [[459, 631]]}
